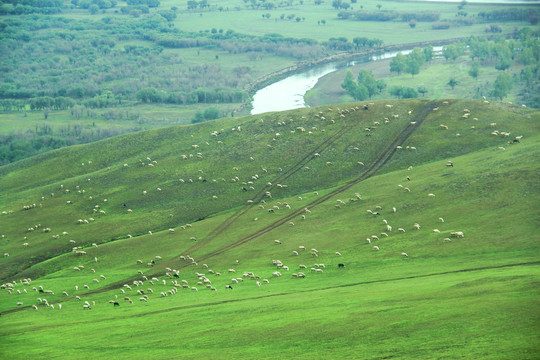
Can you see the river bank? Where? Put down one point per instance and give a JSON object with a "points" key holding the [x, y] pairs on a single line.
{"points": [[342, 57]]}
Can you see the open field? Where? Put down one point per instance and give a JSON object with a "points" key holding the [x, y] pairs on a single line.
{"points": [[452, 295]]}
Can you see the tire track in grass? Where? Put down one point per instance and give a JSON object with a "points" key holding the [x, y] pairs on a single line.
{"points": [[379, 162], [219, 229]]}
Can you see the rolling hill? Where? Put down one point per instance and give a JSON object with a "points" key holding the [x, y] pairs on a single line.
{"points": [[418, 218]]}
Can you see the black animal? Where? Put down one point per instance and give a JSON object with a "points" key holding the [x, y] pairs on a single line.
{"points": [[228, 287], [176, 275], [115, 304], [365, 107], [340, 265]]}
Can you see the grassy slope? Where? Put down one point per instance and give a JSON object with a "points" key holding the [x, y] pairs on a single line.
{"points": [[367, 310]]}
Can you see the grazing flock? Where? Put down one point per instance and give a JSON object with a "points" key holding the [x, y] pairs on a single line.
{"points": [[154, 280]]}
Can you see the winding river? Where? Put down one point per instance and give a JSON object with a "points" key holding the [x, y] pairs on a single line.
{"points": [[289, 93]]}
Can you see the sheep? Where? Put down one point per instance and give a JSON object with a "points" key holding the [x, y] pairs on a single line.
{"points": [[401, 230], [416, 226], [458, 234], [404, 254], [376, 248], [441, 219], [431, 195], [338, 253]]}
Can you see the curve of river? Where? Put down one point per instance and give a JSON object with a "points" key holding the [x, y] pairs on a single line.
{"points": [[289, 93]]}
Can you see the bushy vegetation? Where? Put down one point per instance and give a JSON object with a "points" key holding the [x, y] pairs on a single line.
{"points": [[388, 15]]}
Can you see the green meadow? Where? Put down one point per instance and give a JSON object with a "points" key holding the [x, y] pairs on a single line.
{"points": [[455, 275]]}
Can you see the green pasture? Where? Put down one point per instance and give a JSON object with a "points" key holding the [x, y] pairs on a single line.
{"points": [[463, 297], [452, 316], [250, 21]]}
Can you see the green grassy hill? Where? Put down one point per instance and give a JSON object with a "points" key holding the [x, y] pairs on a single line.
{"points": [[325, 179]]}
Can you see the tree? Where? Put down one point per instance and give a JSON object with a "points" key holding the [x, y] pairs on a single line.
{"points": [[453, 51], [381, 85], [359, 91], [475, 70], [169, 15], [349, 85], [413, 61], [397, 64], [412, 23], [409, 93], [148, 95], [211, 113], [452, 83], [379, 6], [360, 41], [428, 53], [502, 86], [504, 63], [527, 75], [422, 90], [93, 9], [367, 79], [197, 118], [403, 92]]}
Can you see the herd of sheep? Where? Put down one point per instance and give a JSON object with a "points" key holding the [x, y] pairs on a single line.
{"points": [[197, 276]]}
